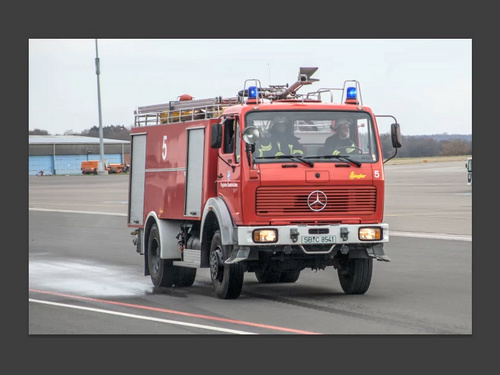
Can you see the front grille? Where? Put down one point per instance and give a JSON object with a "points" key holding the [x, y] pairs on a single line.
{"points": [[286, 201]]}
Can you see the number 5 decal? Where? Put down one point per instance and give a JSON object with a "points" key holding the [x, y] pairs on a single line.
{"points": [[164, 148], [376, 173]]}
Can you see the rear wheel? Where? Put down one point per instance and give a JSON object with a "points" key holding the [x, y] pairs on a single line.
{"points": [[267, 277], [160, 270], [289, 276], [184, 276], [227, 279], [355, 275]]}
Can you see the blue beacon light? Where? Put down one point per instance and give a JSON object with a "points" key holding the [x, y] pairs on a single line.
{"points": [[253, 92], [351, 96], [351, 93]]}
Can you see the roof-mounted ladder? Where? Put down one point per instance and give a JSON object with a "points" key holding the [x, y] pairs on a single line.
{"points": [[182, 110]]}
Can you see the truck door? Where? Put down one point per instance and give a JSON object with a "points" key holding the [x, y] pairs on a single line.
{"points": [[228, 168]]}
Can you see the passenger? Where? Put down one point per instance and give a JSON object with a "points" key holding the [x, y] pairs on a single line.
{"points": [[282, 141], [340, 142]]}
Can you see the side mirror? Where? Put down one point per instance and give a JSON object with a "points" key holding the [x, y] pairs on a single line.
{"points": [[251, 135], [216, 136], [396, 135]]}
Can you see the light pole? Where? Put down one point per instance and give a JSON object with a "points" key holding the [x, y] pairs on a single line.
{"points": [[101, 168]]}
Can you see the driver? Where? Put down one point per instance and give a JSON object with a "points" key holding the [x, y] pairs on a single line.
{"points": [[340, 142], [282, 141]]}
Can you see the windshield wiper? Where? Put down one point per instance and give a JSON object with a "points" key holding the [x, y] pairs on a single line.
{"points": [[299, 158], [342, 157]]}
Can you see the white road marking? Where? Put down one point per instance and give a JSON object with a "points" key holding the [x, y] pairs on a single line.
{"points": [[76, 212], [167, 321], [435, 236]]}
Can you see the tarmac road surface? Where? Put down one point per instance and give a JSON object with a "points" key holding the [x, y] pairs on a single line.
{"points": [[86, 278]]}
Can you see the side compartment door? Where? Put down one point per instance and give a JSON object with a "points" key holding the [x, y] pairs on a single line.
{"points": [[137, 178], [194, 171]]}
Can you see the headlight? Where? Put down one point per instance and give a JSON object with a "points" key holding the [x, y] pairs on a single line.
{"points": [[370, 233], [265, 235]]}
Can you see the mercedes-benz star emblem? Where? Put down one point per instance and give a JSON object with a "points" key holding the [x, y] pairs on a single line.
{"points": [[316, 200]]}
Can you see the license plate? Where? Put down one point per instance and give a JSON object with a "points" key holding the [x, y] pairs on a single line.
{"points": [[317, 239]]}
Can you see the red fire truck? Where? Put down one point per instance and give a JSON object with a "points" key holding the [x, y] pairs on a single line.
{"points": [[207, 191]]}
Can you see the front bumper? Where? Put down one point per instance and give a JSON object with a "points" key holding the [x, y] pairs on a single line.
{"points": [[344, 236], [295, 234]]}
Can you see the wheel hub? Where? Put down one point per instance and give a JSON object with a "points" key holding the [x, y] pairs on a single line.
{"points": [[216, 264], [155, 257]]}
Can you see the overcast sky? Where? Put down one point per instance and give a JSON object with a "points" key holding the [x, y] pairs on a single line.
{"points": [[425, 83]]}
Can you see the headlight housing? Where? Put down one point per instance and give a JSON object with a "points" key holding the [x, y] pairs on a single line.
{"points": [[370, 233], [265, 235]]}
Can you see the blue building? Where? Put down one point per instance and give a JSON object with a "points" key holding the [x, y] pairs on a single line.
{"points": [[63, 154]]}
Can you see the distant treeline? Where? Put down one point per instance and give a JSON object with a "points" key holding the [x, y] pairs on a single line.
{"points": [[429, 145], [110, 132], [412, 146]]}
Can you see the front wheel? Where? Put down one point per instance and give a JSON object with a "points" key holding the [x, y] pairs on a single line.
{"points": [[227, 279], [355, 275]]}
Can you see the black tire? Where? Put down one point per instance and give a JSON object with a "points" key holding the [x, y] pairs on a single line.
{"points": [[227, 279], [355, 275], [184, 276], [267, 276], [161, 270], [289, 276]]}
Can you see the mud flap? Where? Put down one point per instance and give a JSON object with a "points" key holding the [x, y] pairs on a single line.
{"points": [[242, 253], [377, 252]]}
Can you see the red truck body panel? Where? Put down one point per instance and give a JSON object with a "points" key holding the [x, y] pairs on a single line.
{"points": [[165, 182]]}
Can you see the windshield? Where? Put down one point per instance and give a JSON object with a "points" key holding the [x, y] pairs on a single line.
{"points": [[320, 136]]}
